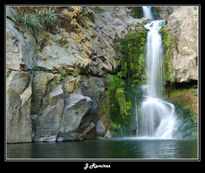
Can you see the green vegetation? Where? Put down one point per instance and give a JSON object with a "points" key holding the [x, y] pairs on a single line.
{"points": [[168, 43], [42, 18], [64, 73], [119, 105], [123, 94], [188, 128], [75, 74], [133, 56], [186, 99], [47, 16]]}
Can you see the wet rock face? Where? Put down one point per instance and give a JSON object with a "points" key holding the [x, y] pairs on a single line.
{"points": [[183, 25]]}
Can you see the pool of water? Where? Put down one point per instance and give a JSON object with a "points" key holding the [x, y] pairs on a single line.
{"points": [[115, 148]]}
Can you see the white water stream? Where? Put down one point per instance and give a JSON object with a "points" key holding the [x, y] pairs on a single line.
{"points": [[147, 12], [157, 118]]}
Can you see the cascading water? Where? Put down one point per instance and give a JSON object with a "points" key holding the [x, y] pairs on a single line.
{"points": [[157, 118], [147, 12]]}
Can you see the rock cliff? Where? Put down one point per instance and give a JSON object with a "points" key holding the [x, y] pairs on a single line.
{"points": [[55, 84], [182, 24]]}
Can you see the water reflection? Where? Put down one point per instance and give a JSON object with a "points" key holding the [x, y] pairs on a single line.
{"points": [[117, 148]]}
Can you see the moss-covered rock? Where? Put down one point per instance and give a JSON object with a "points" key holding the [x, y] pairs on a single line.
{"points": [[132, 49], [169, 41]]}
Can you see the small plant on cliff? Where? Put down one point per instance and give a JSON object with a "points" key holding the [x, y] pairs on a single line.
{"points": [[75, 74], [18, 16], [64, 73], [41, 18], [29, 21], [47, 16]]}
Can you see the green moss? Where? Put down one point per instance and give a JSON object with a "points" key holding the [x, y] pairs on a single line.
{"points": [[122, 86], [133, 55], [168, 43], [119, 104]]}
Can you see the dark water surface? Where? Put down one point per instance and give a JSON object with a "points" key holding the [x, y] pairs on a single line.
{"points": [[117, 148]]}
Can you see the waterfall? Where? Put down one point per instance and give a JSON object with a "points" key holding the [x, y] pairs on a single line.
{"points": [[157, 117], [147, 12]]}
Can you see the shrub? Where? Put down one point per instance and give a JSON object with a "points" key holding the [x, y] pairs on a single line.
{"points": [[31, 22], [47, 16], [18, 16], [75, 74], [64, 73], [40, 19]]}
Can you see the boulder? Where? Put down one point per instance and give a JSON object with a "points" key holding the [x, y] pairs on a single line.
{"points": [[108, 135], [76, 106]]}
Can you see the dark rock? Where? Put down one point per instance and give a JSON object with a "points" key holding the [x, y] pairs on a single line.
{"points": [[76, 107]]}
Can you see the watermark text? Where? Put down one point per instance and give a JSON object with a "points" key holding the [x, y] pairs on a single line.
{"points": [[94, 166]]}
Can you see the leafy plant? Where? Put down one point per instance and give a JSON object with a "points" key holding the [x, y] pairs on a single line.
{"points": [[18, 16], [133, 55], [64, 73], [47, 16], [42, 18], [75, 74], [76, 111], [31, 22]]}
